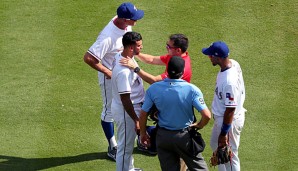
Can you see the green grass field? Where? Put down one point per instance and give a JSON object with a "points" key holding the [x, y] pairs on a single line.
{"points": [[50, 100]]}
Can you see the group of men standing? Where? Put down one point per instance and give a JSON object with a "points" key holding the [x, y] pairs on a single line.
{"points": [[126, 103]]}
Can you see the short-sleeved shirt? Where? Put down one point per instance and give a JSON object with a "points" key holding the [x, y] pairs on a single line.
{"points": [[107, 45], [126, 81], [229, 90], [174, 99], [187, 70]]}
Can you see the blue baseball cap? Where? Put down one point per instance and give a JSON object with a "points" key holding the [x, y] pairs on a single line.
{"points": [[218, 49], [127, 10]]}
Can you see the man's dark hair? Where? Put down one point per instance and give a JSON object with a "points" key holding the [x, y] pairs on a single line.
{"points": [[180, 41], [130, 38]]}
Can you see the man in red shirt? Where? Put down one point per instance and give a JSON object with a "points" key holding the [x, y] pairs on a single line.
{"points": [[176, 46]]}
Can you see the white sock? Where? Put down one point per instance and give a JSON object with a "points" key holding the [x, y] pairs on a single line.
{"points": [[113, 142]]}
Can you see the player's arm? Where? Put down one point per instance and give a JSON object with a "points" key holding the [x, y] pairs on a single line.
{"points": [[95, 64], [150, 59], [145, 139], [128, 106], [230, 94], [150, 79], [143, 122], [226, 126]]}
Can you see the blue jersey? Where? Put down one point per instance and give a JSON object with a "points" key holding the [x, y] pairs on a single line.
{"points": [[175, 99]]}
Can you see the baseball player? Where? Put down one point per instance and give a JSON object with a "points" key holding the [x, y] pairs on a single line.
{"points": [[227, 106], [128, 96], [100, 57]]}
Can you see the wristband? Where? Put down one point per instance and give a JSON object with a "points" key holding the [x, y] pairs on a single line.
{"points": [[225, 129]]}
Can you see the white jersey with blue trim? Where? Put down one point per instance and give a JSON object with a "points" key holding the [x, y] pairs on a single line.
{"points": [[126, 81], [107, 45], [229, 90]]}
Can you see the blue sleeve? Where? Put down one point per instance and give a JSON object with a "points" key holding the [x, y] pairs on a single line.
{"points": [[198, 99], [148, 103]]}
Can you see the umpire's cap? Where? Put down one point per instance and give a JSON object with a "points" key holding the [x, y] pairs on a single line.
{"points": [[176, 67], [127, 10]]}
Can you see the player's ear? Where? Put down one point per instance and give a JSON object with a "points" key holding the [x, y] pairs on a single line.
{"points": [[131, 48], [178, 50]]}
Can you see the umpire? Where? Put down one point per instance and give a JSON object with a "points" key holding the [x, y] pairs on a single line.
{"points": [[175, 100]]}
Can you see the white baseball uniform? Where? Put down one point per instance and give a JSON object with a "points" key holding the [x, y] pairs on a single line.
{"points": [[125, 81], [229, 92], [104, 49]]}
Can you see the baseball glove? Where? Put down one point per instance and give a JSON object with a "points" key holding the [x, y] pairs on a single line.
{"points": [[221, 155], [153, 114]]}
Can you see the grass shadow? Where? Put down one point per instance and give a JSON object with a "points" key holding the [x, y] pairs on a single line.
{"points": [[33, 164]]}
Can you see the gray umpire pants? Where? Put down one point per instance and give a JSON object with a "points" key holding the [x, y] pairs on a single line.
{"points": [[173, 145]]}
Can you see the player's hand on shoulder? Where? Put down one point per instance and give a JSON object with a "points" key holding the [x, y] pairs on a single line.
{"points": [[128, 62]]}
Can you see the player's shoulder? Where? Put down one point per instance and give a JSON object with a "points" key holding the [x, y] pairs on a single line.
{"points": [[235, 63], [108, 31], [120, 71], [120, 68], [117, 66]]}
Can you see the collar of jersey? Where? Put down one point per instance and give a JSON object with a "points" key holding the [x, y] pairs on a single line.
{"points": [[173, 80]]}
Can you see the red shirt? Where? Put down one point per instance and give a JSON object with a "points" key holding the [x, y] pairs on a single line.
{"points": [[187, 70]]}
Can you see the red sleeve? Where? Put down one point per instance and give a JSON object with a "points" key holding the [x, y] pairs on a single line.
{"points": [[165, 59]]}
